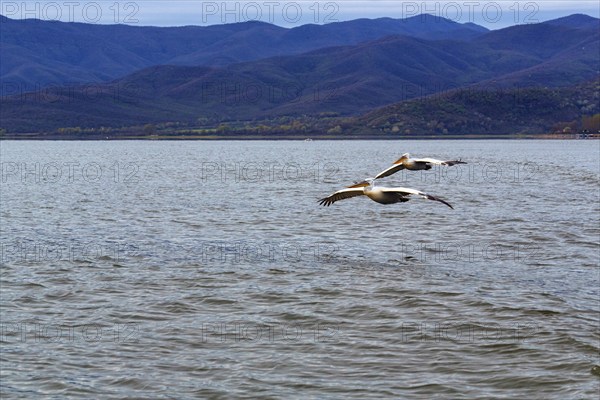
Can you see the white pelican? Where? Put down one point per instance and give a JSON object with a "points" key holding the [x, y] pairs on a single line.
{"points": [[415, 164], [382, 195]]}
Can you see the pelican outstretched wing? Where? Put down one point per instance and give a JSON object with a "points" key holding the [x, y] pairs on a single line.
{"points": [[390, 171], [397, 166], [341, 195], [407, 192], [438, 162]]}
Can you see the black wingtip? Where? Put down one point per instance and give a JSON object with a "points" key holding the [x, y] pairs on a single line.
{"points": [[446, 203], [454, 162], [440, 200]]}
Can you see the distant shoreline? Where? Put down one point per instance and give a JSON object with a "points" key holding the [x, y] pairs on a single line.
{"points": [[307, 138]]}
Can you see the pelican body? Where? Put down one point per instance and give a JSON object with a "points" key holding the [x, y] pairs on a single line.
{"points": [[379, 195]]}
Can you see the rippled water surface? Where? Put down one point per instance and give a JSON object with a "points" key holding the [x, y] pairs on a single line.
{"points": [[208, 270]]}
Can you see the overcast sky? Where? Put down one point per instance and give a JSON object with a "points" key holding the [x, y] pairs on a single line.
{"points": [[491, 14]]}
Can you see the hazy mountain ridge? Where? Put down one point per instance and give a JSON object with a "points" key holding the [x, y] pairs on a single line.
{"points": [[39, 53]]}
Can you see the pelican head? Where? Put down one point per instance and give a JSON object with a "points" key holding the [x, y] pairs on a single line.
{"points": [[404, 157], [370, 181]]}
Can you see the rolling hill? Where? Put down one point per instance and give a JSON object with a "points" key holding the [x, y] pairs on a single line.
{"points": [[476, 111]]}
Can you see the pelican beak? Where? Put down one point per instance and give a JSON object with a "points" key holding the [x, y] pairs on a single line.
{"points": [[359, 184]]}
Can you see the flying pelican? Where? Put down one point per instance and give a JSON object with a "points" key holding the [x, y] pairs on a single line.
{"points": [[382, 195], [414, 164]]}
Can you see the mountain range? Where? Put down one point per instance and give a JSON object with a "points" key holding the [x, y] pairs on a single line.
{"points": [[38, 53], [376, 69]]}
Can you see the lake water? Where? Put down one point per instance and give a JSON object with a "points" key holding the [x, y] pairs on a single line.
{"points": [[208, 270]]}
